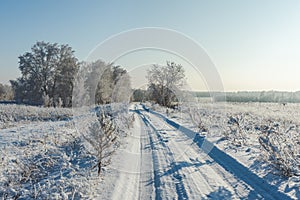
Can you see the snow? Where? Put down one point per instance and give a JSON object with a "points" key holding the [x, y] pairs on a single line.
{"points": [[250, 184], [249, 155], [129, 168], [159, 157]]}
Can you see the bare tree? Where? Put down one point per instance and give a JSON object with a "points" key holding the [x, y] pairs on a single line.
{"points": [[164, 80]]}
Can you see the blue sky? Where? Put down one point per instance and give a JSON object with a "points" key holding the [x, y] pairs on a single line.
{"points": [[255, 44]]}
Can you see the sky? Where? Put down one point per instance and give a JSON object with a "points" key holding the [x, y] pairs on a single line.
{"points": [[254, 45]]}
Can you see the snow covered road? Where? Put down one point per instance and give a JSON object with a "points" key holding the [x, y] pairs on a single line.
{"points": [[183, 170], [161, 161], [158, 159]]}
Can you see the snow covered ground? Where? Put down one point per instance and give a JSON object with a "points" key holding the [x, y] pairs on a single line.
{"points": [[159, 157], [215, 118]]}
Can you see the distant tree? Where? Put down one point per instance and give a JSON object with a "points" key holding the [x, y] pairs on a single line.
{"points": [[105, 87], [106, 83], [122, 85], [139, 95], [91, 72], [163, 81], [48, 70], [2, 90], [153, 93], [64, 77], [6, 92], [80, 95], [118, 73]]}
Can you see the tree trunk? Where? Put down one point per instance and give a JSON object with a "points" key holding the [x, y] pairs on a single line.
{"points": [[99, 168]]}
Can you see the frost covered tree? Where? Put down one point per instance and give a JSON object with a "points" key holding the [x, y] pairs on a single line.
{"points": [[106, 83], [122, 85], [101, 83], [80, 95], [163, 81], [48, 70], [102, 139], [139, 95], [104, 87], [5, 92], [65, 72], [98, 81]]}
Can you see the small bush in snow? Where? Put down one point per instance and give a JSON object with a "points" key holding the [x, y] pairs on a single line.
{"points": [[102, 139], [196, 118], [17, 113], [280, 146], [235, 132]]}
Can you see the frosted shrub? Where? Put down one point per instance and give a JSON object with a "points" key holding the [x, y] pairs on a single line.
{"points": [[235, 130], [16, 113], [280, 146], [38, 166], [119, 114], [54, 161], [197, 120], [124, 122], [39, 175], [102, 139]]}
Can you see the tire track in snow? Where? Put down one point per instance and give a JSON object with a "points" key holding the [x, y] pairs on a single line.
{"points": [[129, 167], [156, 180], [163, 159], [261, 189], [197, 183], [146, 186], [195, 171]]}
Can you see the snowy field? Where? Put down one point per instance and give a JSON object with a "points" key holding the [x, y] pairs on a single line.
{"points": [[203, 151]]}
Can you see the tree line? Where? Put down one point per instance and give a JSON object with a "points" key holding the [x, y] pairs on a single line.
{"points": [[101, 83], [255, 96], [50, 72], [48, 77]]}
